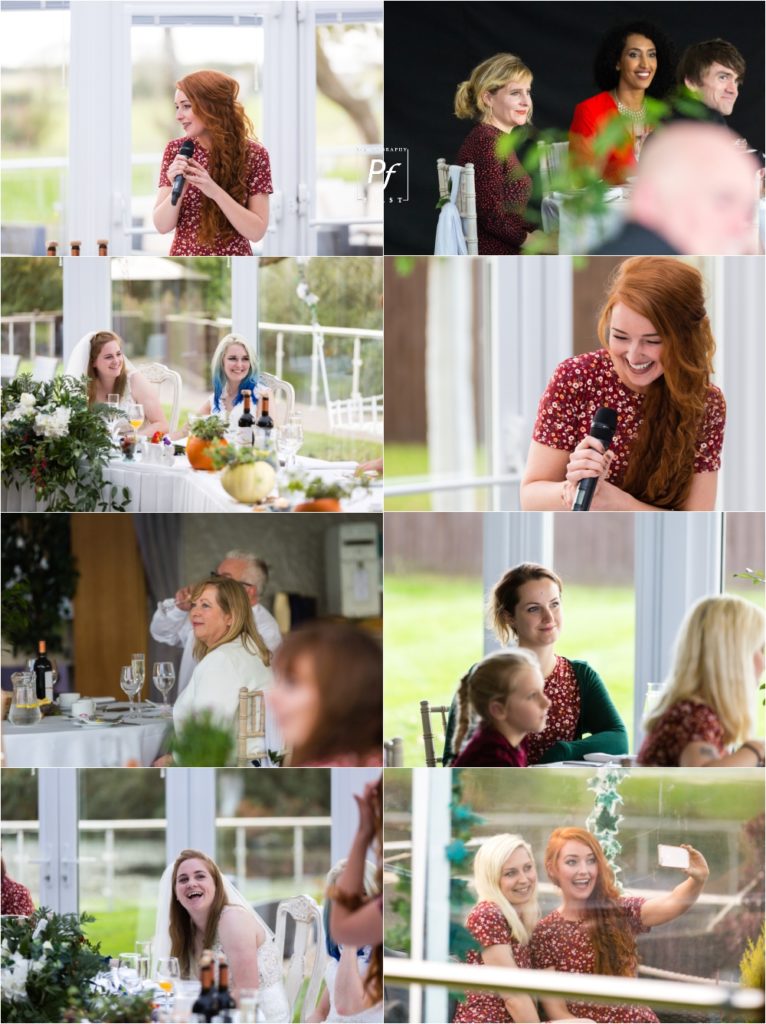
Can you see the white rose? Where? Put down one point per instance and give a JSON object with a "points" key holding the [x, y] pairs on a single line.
{"points": [[27, 400]]}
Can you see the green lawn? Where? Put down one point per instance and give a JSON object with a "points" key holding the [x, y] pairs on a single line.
{"points": [[404, 460], [433, 633], [117, 930]]}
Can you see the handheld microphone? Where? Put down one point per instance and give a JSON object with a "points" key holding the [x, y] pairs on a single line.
{"points": [[187, 150], [602, 428]]}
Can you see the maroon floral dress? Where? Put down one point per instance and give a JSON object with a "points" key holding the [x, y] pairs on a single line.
{"points": [[186, 241], [581, 385], [488, 926], [562, 691], [16, 898], [566, 946], [488, 748], [683, 723], [503, 189]]}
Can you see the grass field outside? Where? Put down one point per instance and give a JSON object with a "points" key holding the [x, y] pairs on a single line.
{"points": [[433, 632], [403, 460]]}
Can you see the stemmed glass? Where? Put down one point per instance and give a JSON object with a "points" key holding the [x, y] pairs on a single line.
{"points": [[138, 667], [136, 415], [168, 974], [164, 677], [129, 972], [290, 439], [129, 687]]}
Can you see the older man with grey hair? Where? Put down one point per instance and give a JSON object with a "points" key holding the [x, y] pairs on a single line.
{"points": [[171, 624]]}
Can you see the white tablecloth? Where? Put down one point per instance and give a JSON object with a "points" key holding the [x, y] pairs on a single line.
{"points": [[56, 742], [179, 488]]}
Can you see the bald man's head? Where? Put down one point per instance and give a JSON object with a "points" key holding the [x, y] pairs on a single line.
{"points": [[697, 189]]}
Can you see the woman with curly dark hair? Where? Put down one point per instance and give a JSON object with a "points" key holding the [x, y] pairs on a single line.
{"points": [[633, 61], [654, 369], [224, 204], [594, 930]]}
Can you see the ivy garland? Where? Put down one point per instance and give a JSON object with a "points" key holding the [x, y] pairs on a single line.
{"points": [[605, 819]]}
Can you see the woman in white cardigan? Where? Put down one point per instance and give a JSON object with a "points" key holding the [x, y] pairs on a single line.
{"points": [[231, 654]]}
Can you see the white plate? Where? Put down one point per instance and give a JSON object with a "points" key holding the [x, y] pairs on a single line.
{"points": [[92, 723]]}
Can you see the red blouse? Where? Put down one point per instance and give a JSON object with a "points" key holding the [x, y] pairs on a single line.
{"points": [[488, 748], [16, 898], [488, 926], [566, 946], [591, 117], [683, 723], [582, 384], [562, 691], [185, 240], [503, 189]]}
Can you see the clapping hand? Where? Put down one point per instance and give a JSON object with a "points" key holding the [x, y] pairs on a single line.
{"points": [[369, 811], [183, 599]]}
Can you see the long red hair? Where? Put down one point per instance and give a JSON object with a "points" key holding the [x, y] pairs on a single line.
{"points": [[213, 97], [670, 294], [613, 942]]}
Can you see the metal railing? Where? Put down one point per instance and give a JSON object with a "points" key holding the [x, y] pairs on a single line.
{"points": [[595, 988], [32, 321], [15, 847], [418, 485]]}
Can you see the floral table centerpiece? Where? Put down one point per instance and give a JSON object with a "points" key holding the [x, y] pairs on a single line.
{"points": [[53, 440], [48, 968]]}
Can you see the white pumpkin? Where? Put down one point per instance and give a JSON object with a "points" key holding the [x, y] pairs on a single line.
{"points": [[249, 484]]}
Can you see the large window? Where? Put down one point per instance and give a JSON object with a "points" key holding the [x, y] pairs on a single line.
{"points": [[35, 126], [349, 133]]}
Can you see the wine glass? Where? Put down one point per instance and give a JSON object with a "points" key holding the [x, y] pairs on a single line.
{"points": [[290, 438], [129, 687], [145, 949], [138, 667], [652, 697], [164, 676], [136, 415], [168, 974], [129, 972]]}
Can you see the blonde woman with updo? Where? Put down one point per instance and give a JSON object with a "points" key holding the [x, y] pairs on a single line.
{"points": [[707, 705], [502, 923], [498, 96]]}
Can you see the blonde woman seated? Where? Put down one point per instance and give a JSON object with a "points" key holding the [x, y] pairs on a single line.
{"points": [[502, 922], [708, 704], [98, 356], [230, 652], [199, 909], [344, 998]]}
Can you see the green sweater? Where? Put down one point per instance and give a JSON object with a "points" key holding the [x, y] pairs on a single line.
{"points": [[600, 730]]}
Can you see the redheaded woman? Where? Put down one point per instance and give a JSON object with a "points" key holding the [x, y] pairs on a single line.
{"points": [[224, 205], [594, 930], [654, 369]]}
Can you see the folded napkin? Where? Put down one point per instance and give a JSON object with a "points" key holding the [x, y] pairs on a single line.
{"points": [[102, 700]]}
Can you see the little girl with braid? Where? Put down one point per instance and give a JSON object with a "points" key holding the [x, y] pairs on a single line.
{"points": [[505, 690]]}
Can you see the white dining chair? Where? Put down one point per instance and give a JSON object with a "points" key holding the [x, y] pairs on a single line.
{"points": [[280, 387], [157, 373], [44, 368], [308, 938]]}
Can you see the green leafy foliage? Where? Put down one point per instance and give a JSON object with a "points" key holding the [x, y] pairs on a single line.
{"points": [[39, 579], [48, 965], [202, 742], [241, 455], [208, 428], [52, 440], [464, 820]]}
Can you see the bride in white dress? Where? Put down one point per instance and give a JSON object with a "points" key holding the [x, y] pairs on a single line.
{"points": [[98, 356], [200, 909]]}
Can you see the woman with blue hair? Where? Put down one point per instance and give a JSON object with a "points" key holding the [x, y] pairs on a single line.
{"points": [[234, 369]]}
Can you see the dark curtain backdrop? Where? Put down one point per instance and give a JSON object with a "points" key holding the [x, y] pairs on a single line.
{"points": [[159, 541], [431, 47]]}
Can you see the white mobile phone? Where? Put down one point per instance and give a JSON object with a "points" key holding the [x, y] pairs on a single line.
{"points": [[672, 856]]}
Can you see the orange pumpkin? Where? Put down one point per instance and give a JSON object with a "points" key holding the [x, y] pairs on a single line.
{"points": [[198, 452], [319, 505]]}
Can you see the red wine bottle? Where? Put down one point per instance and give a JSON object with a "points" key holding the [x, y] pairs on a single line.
{"points": [[43, 673], [205, 1005], [246, 422], [226, 1003], [265, 424]]}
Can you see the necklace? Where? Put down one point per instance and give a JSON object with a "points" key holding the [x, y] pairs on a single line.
{"points": [[632, 115]]}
